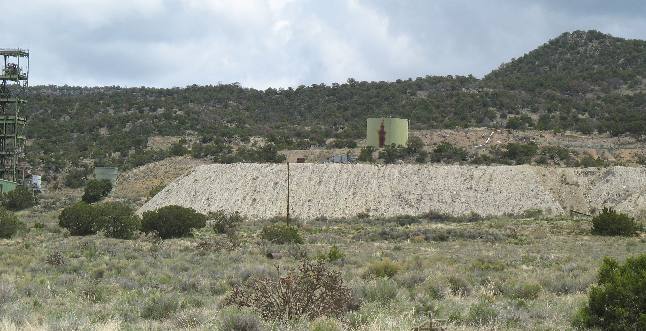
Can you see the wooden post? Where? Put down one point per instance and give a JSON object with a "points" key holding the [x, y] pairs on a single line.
{"points": [[287, 219]]}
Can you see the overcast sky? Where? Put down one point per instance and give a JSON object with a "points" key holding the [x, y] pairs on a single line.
{"points": [[280, 43]]}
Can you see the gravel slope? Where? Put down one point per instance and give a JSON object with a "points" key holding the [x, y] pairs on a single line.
{"points": [[338, 190]]}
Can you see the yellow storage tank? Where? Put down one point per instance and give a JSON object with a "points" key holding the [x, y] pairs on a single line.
{"points": [[387, 131]]}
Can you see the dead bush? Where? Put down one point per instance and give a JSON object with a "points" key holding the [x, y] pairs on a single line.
{"points": [[312, 291]]}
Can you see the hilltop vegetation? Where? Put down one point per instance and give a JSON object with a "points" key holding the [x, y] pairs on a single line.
{"points": [[581, 81]]}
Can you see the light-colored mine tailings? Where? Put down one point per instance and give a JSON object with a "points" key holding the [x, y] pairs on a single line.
{"points": [[338, 190]]}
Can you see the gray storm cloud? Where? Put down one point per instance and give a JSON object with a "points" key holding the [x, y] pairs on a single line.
{"points": [[280, 43]]}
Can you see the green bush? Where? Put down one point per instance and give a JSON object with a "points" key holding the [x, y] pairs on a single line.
{"points": [[383, 268], [19, 199], [481, 313], [392, 153], [236, 319], [588, 161], [365, 155], [159, 307], [520, 153], [446, 152], [379, 290], [8, 224], [116, 220], [225, 223], [618, 301], [335, 254], [153, 191], [612, 223], [75, 178], [78, 219], [172, 221], [96, 190], [281, 233]]}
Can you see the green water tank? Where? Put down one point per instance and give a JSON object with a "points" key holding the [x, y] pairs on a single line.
{"points": [[109, 173], [387, 131], [7, 186]]}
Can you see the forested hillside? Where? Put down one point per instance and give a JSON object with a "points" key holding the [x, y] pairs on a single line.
{"points": [[581, 81]]}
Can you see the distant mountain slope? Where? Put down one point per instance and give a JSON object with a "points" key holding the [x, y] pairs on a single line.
{"points": [[581, 81], [577, 62]]}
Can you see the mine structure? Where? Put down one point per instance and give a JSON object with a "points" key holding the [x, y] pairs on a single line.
{"points": [[14, 80]]}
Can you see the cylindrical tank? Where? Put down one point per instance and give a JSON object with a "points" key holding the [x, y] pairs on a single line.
{"points": [[109, 173], [383, 132]]}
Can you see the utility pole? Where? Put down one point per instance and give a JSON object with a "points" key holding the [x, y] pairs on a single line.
{"points": [[287, 219]]}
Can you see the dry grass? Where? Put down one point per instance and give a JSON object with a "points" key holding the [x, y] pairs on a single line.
{"points": [[493, 274]]}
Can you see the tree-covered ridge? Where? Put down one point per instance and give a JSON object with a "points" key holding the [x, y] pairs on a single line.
{"points": [[576, 63], [543, 89]]}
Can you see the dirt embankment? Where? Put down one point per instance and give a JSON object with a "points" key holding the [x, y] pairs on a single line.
{"points": [[137, 183], [337, 190]]}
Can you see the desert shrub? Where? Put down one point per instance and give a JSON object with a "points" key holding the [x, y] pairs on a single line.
{"points": [[393, 153], [281, 233], [78, 219], [384, 268], [96, 190], [520, 153], [588, 161], [618, 301], [365, 155], [459, 286], [311, 292], [446, 152], [116, 220], [235, 319], [334, 254], [18, 199], [153, 191], [380, 290], [611, 223], [405, 220], [8, 224], [555, 153], [524, 291], [325, 324], [178, 149], [343, 143], [75, 178], [225, 223], [172, 221], [159, 307], [481, 313]]}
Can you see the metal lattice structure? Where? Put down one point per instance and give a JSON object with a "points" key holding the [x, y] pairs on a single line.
{"points": [[14, 78]]}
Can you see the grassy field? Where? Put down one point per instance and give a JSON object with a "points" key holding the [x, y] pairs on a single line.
{"points": [[493, 274]]}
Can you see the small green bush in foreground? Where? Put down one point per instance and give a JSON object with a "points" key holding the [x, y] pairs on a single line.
{"points": [[19, 199], [618, 301], [384, 268], [78, 219], [114, 220], [172, 221], [281, 233], [225, 223], [8, 224]]}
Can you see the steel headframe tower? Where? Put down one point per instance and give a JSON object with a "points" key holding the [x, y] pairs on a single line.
{"points": [[14, 77]]}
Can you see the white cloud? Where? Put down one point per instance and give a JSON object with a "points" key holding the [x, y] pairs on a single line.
{"points": [[264, 43]]}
